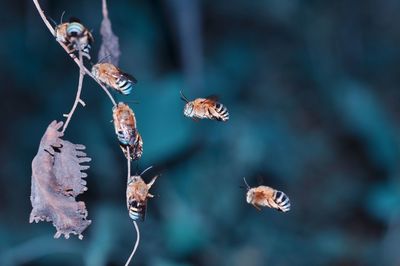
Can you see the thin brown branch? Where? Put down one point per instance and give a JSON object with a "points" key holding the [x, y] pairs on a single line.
{"points": [[136, 244], [78, 92], [104, 9], [134, 222], [76, 60]]}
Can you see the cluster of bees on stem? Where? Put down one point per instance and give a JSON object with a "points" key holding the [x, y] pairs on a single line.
{"points": [[77, 38]]}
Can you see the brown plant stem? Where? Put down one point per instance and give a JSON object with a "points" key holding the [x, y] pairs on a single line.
{"points": [[136, 244], [104, 9], [78, 93], [134, 222], [76, 60]]}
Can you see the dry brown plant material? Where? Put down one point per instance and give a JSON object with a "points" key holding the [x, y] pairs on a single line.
{"points": [[57, 179]]}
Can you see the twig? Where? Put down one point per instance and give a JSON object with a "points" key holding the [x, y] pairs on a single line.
{"points": [[136, 244], [78, 93], [104, 9], [134, 222], [129, 162], [76, 60]]}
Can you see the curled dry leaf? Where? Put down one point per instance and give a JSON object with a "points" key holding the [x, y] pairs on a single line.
{"points": [[109, 50], [56, 181]]}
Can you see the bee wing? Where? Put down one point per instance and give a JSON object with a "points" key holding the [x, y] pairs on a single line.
{"points": [[260, 180], [213, 97], [74, 19]]}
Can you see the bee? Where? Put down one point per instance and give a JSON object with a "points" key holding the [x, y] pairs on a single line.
{"points": [[113, 77], [125, 128], [75, 36], [263, 196], [205, 108], [137, 193]]}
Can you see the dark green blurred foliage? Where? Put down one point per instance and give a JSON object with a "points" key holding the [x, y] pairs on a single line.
{"points": [[312, 88]]}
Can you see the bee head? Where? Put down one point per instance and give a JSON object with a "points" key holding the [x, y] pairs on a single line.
{"points": [[250, 196], [188, 110], [134, 179], [250, 192], [95, 70]]}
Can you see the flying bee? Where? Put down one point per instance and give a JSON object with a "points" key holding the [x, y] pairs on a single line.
{"points": [[137, 193], [263, 196], [113, 77], [75, 36], [205, 108], [126, 131]]}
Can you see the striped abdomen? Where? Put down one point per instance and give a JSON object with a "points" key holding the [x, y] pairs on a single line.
{"points": [[281, 201], [135, 147], [136, 210], [79, 37], [75, 29], [221, 112], [125, 83]]}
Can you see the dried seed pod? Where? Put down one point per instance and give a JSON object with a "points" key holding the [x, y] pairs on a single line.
{"points": [[57, 179]]}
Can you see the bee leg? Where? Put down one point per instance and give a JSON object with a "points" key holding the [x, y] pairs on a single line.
{"points": [[255, 206], [195, 119], [150, 195], [152, 182]]}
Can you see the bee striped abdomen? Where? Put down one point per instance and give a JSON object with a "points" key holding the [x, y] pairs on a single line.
{"points": [[281, 201], [80, 37], [124, 84], [221, 111], [135, 147], [75, 29], [136, 210]]}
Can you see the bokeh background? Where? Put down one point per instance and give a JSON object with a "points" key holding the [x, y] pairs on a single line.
{"points": [[313, 92]]}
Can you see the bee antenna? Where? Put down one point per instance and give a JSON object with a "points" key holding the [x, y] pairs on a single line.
{"points": [[62, 15], [104, 57], [247, 185], [145, 170], [137, 167], [183, 97], [52, 21], [134, 102]]}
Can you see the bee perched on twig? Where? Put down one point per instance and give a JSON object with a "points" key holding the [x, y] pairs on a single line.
{"points": [[75, 36], [137, 193], [263, 196], [113, 77], [208, 107], [126, 130]]}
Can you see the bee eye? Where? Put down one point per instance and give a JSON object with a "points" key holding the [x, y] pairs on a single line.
{"points": [[218, 105]]}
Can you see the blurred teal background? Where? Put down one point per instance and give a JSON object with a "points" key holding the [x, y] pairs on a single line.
{"points": [[313, 92]]}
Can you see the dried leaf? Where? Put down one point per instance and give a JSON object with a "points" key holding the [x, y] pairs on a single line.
{"points": [[56, 181], [109, 50]]}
